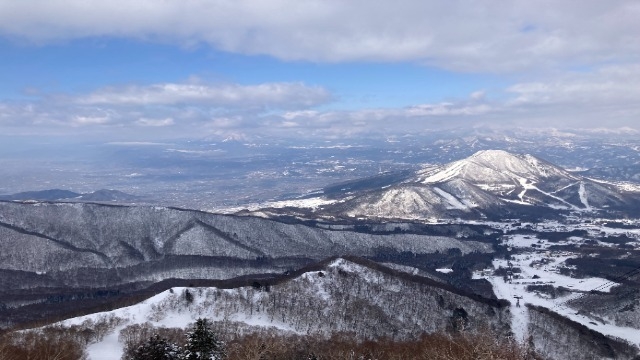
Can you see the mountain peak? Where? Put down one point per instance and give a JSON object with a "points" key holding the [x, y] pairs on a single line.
{"points": [[493, 166], [491, 155]]}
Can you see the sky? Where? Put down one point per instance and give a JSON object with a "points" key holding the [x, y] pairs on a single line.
{"points": [[147, 70]]}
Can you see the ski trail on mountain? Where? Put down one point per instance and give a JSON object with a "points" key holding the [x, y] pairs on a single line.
{"points": [[452, 200], [531, 186], [583, 197], [519, 314]]}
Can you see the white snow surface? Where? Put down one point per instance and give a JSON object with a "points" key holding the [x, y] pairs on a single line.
{"points": [[583, 197], [493, 167], [454, 203], [158, 311], [446, 173], [409, 202], [622, 185], [546, 274], [308, 203], [445, 270], [109, 348]]}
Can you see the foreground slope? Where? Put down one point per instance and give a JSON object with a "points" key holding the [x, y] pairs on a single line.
{"points": [[354, 296], [338, 295]]}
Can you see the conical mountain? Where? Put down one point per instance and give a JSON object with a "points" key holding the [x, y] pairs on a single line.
{"points": [[495, 167], [489, 183]]}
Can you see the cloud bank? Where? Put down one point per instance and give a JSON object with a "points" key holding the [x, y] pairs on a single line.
{"points": [[269, 95], [494, 36], [607, 96], [569, 63]]}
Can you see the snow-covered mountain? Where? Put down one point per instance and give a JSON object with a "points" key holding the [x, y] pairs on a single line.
{"points": [[50, 246], [488, 184], [521, 179], [494, 166], [335, 296], [356, 296]]}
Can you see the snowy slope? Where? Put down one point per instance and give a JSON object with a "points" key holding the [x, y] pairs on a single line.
{"points": [[402, 202], [51, 238], [542, 267], [492, 167], [489, 183], [527, 180], [339, 296]]}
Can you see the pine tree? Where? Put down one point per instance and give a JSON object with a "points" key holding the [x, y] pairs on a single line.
{"points": [[156, 348], [202, 343]]}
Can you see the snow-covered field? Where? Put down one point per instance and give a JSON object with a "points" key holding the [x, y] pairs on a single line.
{"points": [[540, 266], [110, 348], [308, 203], [166, 309]]}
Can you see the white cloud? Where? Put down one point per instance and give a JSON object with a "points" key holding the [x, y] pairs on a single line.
{"points": [[183, 109], [609, 85], [291, 115], [376, 120], [268, 95], [155, 122], [606, 96], [228, 122], [447, 109], [478, 95], [456, 34], [81, 120]]}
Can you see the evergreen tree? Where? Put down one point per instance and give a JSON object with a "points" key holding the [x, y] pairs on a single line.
{"points": [[202, 343], [156, 348], [188, 296]]}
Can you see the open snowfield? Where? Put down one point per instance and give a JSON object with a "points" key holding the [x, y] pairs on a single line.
{"points": [[160, 311], [541, 267], [110, 348]]}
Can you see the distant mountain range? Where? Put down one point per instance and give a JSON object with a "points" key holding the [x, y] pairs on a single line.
{"points": [[488, 184], [66, 195]]}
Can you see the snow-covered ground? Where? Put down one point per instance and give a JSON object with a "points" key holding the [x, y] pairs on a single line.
{"points": [[454, 203], [308, 203], [445, 270], [160, 311], [541, 267], [110, 348], [594, 227]]}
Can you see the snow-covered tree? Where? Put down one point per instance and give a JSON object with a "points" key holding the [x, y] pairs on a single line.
{"points": [[157, 348], [202, 343]]}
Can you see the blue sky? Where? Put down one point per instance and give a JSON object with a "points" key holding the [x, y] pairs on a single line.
{"points": [[218, 68], [84, 65]]}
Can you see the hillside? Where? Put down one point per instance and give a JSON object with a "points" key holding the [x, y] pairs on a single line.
{"points": [[339, 295], [357, 298], [54, 250]]}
